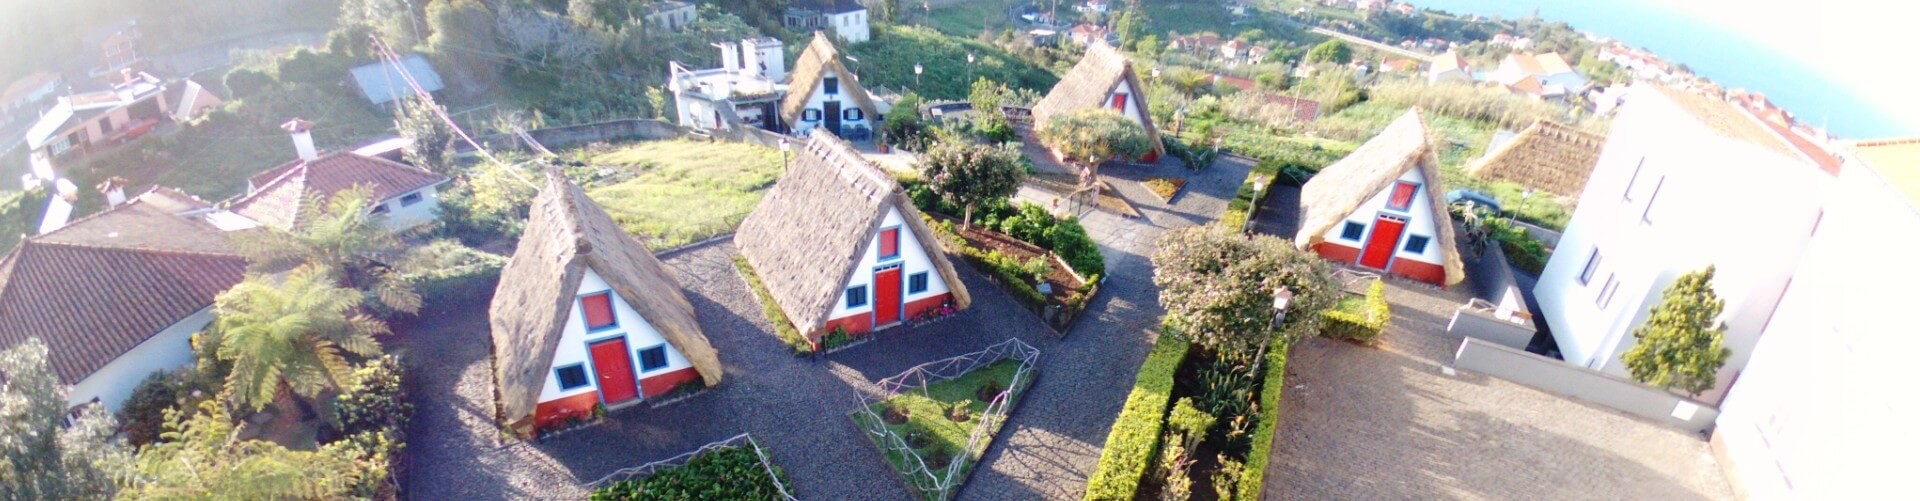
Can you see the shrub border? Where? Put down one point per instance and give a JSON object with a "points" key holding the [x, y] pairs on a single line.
{"points": [[1135, 438], [1365, 330], [781, 325], [1271, 386]]}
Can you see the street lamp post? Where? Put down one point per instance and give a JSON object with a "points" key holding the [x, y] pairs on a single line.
{"points": [[785, 146], [969, 68], [1282, 297], [917, 69]]}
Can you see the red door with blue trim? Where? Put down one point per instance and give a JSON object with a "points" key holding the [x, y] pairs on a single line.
{"points": [[614, 368], [886, 296], [1386, 238]]}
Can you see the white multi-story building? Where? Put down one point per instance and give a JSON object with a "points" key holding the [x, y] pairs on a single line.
{"points": [[1819, 412], [746, 89], [847, 19], [1684, 182]]}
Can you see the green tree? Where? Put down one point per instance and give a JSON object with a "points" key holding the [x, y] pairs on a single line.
{"points": [[339, 237], [204, 458], [969, 175], [40, 456], [991, 120], [1679, 346], [293, 335], [430, 143], [1331, 51], [1131, 26], [1218, 286], [1091, 136], [903, 125], [464, 41], [657, 103]]}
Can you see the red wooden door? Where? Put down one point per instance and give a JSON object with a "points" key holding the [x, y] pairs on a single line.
{"points": [[1386, 237], [886, 296], [615, 370]]}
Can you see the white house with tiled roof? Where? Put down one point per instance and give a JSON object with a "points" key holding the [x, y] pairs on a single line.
{"points": [[404, 196], [118, 295]]}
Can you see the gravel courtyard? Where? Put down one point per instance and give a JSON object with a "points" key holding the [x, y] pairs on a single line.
{"points": [[796, 407], [1386, 423]]}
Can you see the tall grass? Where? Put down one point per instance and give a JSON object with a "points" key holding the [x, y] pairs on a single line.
{"points": [[1465, 101]]}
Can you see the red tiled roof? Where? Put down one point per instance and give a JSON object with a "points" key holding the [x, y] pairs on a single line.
{"points": [[1304, 110], [99, 287], [276, 194]]}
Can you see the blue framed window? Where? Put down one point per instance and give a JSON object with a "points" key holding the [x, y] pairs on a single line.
{"points": [[1417, 244], [571, 376], [411, 198], [1353, 231], [810, 115], [856, 296], [831, 85], [653, 359], [917, 283]]}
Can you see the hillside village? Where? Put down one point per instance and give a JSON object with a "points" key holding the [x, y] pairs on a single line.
{"points": [[984, 249]]}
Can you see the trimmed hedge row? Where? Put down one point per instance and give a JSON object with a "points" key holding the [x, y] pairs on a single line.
{"points": [[1270, 387], [1362, 327], [1135, 438]]}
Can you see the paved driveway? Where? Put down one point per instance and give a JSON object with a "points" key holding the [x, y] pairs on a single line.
{"points": [[797, 408], [1387, 423]]}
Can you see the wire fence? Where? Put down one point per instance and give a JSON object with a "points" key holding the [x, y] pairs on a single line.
{"points": [[940, 483], [742, 440]]}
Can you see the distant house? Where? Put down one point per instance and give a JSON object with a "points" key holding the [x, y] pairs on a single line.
{"points": [[1103, 78], [1381, 208], [1099, 6], [824, 94], [846, 18], [745, 90], [840, 247], [1547, 156], [118, 295], [404, 196], [191, 100], [117, 44], [1683, 182], [25, 94], [1553, 78], [84, 121], [1298, 111], [1399, 65], [1203, 45], [1405, 9], [584, 315], [1084, 34], [385, 82], [1449, 67], [671, 14]]}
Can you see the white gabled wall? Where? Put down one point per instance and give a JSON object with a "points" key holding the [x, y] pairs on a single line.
{"points": [[816, 103], [1420, 221], [574, 339], [404, 217], [1133, 110], [913, 259], [172, 348]]}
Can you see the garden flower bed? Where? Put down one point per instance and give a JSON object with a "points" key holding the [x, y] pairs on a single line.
{"points": [[1165, 187], [732, 469], [935, 420]]}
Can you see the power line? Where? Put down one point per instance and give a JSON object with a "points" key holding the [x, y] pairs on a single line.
{"points": [[427, 99]]}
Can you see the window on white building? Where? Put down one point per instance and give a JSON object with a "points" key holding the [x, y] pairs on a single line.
{"points": [[1593, 264], [1353, 231], [1417, 244], [1646, 215], [856, 296], [570, 377], [411, 198], [1606, 291], [1628, 194], [653, 359]]}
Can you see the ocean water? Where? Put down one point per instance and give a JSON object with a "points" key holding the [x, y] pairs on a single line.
{"points": [[1711, 50]]}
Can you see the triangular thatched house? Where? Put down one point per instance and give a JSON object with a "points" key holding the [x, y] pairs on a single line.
{"points": [[1104, 78], [824, 94], [585, 315], [1546, 156], [840, 246], [1381, 208]]}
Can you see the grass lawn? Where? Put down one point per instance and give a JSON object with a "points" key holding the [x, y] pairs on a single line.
{"points": [[684, 191], [969, 18], [1189, 17], [928, 425], [1353, 304]]}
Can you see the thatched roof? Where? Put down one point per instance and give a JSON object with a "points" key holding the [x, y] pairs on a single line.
{"points": [[807, 236], [812, 66], [1089, 83], [1546, 156], [567, 234], [1339, 189]]}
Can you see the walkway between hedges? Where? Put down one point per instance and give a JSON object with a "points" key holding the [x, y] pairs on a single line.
{"points": [[796, 408]]}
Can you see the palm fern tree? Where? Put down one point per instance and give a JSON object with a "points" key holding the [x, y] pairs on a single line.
{"points": [[339, 237], [293, 334], [203, 458]]}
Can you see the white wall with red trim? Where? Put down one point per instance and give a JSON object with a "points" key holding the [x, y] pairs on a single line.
{"points": [[574, 339], [1420, 221], [1132, 108], [913, 259]]}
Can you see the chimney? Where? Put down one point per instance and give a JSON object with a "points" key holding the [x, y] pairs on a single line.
{"points": [[115, 188], [302, 132], [729, 55]]}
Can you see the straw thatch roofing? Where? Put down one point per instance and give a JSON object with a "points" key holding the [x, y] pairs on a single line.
{"points": [[1339, 189], [1089, 83], [806, 238], [566, 235], [812, 66], [1546, 156]]}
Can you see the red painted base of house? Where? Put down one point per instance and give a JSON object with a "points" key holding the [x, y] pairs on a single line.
{"points": [[1425, 272], [1150, 157], [862, 323], [560, 409]]}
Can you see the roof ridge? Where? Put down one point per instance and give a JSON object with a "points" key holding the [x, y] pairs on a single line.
{"points": [[89, 217], [839, 149], [137, 249]]}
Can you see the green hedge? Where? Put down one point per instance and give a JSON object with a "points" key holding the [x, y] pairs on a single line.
{"points": [[1135, 438], [1364, 325], [1270, 387], [1524, 251]]}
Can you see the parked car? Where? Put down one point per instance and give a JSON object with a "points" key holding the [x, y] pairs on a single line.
{"points": [[1463, 195]]}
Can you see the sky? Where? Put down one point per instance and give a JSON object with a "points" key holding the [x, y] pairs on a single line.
{"points": [[1862, 44]]}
